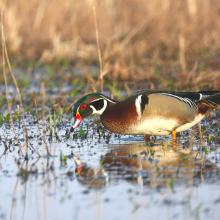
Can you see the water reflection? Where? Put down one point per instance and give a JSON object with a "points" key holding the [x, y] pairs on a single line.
{"points": [[49, 184], [154, 167]]}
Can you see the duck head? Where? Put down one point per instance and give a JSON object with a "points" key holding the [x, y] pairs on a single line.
{"points": [[91, 104]]}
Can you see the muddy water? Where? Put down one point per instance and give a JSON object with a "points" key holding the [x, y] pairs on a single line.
{"points": [[92, 174]]}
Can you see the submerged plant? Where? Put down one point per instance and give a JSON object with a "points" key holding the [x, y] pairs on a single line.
{"points": [[52, 118], [82, 133], [63, 160]]}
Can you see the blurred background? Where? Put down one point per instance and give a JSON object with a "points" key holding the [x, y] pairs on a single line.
{"points": [[52, 52], [170, 44]]}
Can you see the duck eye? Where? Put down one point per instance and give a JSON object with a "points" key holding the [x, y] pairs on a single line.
{"points": [[83, 106]]}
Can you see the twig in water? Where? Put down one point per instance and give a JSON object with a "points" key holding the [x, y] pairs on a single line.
{"points": [[101, 72]]}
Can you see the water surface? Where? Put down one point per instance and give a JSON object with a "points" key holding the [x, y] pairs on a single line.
{"points": [[92, 174]]}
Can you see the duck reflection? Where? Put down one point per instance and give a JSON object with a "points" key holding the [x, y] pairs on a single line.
{"points": [[155, 167]]}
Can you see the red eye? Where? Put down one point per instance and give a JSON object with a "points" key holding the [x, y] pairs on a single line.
{"points": [[83, 106]]}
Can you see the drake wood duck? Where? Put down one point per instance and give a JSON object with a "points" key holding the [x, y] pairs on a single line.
{"points": [[148, 112]]}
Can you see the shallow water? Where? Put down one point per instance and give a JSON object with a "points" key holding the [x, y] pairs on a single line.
{"points": [[93, 174]]}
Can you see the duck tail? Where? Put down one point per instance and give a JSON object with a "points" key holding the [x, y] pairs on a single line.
{"points": [[209, 103], [206, 93]]}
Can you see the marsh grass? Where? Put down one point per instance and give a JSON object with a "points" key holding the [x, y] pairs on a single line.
{"points": [[171, 43], [19, 113], [6, 63]]}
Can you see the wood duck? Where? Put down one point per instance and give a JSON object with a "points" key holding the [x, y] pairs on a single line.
{"points": [[148, 112]]}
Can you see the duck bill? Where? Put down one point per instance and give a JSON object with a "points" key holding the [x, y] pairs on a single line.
{"points": [[77, 121]]}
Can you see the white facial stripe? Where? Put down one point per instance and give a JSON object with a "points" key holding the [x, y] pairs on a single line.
{"points": [[99, 112], [138, 106], [95, 100], [106, 99]]}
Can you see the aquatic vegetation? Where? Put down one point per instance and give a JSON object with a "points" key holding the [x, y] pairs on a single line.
{"points": [[46, 172], [63, 160]]}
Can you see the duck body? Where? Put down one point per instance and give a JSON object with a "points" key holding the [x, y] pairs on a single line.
{"points": [[153, 112], [158, 118]]}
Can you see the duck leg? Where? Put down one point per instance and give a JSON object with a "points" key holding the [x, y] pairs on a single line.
{"points": [[174, 139]]}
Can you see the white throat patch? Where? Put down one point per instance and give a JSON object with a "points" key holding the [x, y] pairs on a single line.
{"points": [[99, 112], [138, 106]]}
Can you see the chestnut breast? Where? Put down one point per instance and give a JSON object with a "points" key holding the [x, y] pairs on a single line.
{"points": [[120, 117]]}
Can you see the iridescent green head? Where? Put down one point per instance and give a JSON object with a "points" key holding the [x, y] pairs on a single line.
{"points": [[93, 103]]}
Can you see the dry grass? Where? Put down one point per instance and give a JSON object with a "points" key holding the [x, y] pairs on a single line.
{"points": [[7, 65], [138, 39]]}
